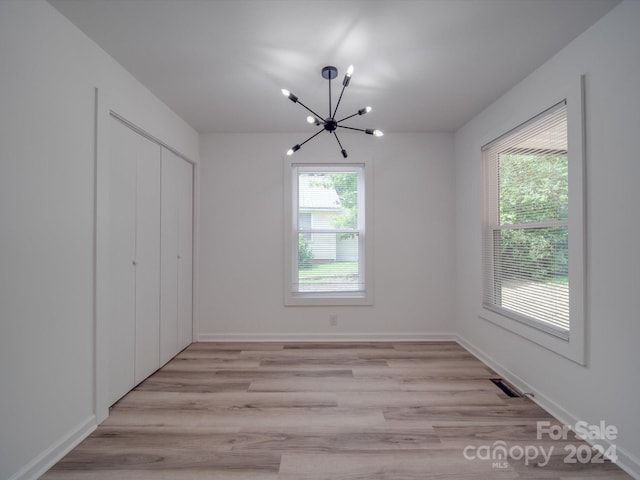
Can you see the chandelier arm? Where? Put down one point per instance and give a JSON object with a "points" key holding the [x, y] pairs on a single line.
{"points": [[342, 150], [304, 106], [368, 131], [353, 128], [312, 136], [338, 104], [347, 118]]}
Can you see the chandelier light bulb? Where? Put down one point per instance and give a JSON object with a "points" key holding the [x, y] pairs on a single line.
{"points": [[293, 150], [311, 119], [347, 76], [289, 95], [378, 133]]}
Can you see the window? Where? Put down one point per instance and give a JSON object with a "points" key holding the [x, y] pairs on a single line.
{"points": [[326, 252], [526, 249], [533, 231]]}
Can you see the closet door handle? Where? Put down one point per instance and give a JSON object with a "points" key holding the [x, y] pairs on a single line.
{"points": [[134, 263]]}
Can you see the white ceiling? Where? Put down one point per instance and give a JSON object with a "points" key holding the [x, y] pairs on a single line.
{"points": [[423, 65]]}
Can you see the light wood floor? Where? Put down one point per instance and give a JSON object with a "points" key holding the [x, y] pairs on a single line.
{"points": [[365, 411]]}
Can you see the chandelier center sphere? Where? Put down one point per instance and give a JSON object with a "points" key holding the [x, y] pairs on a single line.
{"points": [[330, 125]]}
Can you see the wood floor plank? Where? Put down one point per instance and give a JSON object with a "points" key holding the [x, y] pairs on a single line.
{"points": [[114, 438], [339, 439], [324, 362], [212, 346], [597, 475], [185, 380], [403, 465], [246, 417], [125, 460], [144, 399], [319, 411], [301, 352], [277, 372], [418, 371], [444, 346], [323, 385], [386, 346], [209, 353], [461, 357], [208, 364], [404, 399], [501, 414], [512, 434], [429, 380], [166, 474], [558, 468], [444, 371]]}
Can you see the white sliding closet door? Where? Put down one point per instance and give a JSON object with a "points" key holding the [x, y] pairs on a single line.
{"points": [[122, 252], [147, 259], [185, 254], [169, 248], [134, 259], [177, 255]]}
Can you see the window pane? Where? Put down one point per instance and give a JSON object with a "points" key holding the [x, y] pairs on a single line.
{"points": [[533, 187], [330, 263], [331, 199], [531, 275]]}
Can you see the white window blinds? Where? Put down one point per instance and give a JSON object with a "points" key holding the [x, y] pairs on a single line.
{"points": [[525, 223]]}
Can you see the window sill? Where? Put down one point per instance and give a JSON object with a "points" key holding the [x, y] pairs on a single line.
{"points": [[571, 348], [328, 299]]}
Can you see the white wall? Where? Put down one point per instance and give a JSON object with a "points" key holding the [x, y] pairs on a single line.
{"points": [[607, 388], [241, 236], [48, 73]]}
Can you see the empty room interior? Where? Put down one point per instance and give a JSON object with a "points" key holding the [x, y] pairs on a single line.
{"points": [[318, 239]]}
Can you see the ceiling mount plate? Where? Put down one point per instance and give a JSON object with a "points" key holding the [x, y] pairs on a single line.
{"points": [[329, 72]]}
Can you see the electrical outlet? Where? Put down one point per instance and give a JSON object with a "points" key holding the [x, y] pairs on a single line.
{"points": [[333, 320]]}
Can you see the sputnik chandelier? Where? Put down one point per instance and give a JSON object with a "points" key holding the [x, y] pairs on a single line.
{"points": [[330, 124]]}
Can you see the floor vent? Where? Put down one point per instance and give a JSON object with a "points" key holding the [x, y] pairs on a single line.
{"points": [[506, 388]]}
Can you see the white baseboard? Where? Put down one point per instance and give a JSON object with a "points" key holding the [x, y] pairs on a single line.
{"points": [[326, 337], [626, 461], [47, 459]]}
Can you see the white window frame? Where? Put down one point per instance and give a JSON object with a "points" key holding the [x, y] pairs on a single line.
{"points": [[572, 345], [365, 200]]}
